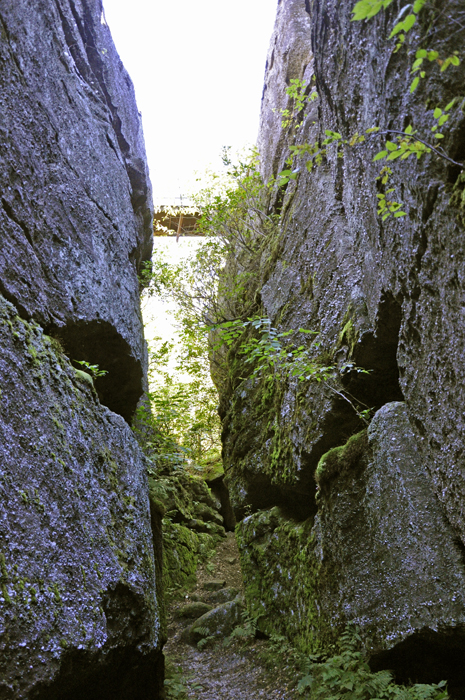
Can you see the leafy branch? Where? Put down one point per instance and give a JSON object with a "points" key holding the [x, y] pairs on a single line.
{"points": [[269, 352], [93, 369]]}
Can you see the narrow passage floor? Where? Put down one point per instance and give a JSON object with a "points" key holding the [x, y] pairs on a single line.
{"points": [[242, 670]]}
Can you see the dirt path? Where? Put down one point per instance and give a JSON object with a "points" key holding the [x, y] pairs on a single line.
{"points": [[234, 672]]}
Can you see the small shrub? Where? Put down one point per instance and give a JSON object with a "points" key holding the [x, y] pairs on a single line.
{"points": [[175, 687]]}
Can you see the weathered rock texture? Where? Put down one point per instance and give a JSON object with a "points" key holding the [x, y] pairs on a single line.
{"points": [[379, 553], [79, 573], [191, 524], [385, 296], [75, 211]]}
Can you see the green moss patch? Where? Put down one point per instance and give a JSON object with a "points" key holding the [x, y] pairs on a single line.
{"points": [[183, 551], [281, 569], [340, 459]]}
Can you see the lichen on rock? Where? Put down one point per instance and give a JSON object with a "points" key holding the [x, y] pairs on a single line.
{"points": [[77, 563], [80, 608]]}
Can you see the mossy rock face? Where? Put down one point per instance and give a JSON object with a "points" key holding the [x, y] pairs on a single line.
{"points": [[341, 458], [183, 550], [192, 611], [217, 623], [77, 566], [207, 514], [184, 497], [281, 566], [379, 530], [191, 526]]}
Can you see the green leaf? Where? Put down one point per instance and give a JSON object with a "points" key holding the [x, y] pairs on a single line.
{"points": [[365, 9], [443, 119], [450, 105], [394, 154], [437, 113], [398, 28], [391, 146], [416, 65], [451, 60], [421, 53], [409, 22], [417, 5], [409, 129], [432, 55], [438, 136], [380, 155], [399, 214], [414, 84], [404, 26]]}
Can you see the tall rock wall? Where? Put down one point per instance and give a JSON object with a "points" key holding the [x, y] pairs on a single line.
{"points": [[383, 542], [79, 607]]}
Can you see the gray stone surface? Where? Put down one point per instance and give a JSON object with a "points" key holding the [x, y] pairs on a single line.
{"points": [[381, 529], [80, 568], [214, 584], [385, 296], [79, 614], [192, 610], [379, 553], [217, 623], [224, 595], [75, 209]]}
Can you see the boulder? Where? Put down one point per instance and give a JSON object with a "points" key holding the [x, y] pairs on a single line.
{"points": [[223, 595], [379, 553], [191, 611], [79, 610], [218, 623], [214, 585], [76, 206]]}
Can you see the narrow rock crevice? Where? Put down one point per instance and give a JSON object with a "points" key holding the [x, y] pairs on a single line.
{"points": [[427, 656], [98, 343], [9, 212], [377, 353], [221, 492]]}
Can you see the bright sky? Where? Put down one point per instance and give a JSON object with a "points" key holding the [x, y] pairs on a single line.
{"points": [[198, 69]]}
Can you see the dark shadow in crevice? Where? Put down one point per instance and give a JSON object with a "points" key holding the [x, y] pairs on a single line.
{"points": [[295, 502], [428, 657], [221, 491], [457, 153], [377, 353], [374, 351], [98, 343], [123, 673]]}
